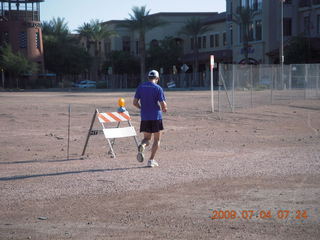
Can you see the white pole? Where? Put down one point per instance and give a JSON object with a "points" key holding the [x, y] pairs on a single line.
{"points": [[233, 78], [306, 76], [211, 71], [251, 82], [318, 78], [290, 81]]}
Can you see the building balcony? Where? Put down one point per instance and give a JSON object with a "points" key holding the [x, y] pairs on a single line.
{"points": [[22, 15], [304, 3], [308, 3], [316, 2]]}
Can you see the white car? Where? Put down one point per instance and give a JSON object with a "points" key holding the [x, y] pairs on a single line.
{"points": [[86, 84]]}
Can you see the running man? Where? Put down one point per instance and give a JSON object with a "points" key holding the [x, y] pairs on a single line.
{"points": [[150, 99]]}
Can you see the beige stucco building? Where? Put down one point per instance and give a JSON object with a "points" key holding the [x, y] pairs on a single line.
{"points": [[300, 17], [224, 38]]}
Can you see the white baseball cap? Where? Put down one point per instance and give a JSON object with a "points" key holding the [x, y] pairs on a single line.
{"points": [[153, 73]]}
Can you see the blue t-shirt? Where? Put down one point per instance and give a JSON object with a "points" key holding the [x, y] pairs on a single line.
{"points": [[150, 94]]}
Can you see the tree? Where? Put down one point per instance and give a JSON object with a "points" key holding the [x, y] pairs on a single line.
{"points": [[15, 64], [142, 22], [194, 27], [165, 54], [56, 27], [95, 33], [244, 18], [62, 53], [300, 50], [122, 63]]}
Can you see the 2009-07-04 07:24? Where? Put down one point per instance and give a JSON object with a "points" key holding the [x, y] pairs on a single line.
{"points": [[261, 214]]}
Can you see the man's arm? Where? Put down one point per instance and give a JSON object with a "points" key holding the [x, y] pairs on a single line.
{"points": [[164, 107], [136, 103]]}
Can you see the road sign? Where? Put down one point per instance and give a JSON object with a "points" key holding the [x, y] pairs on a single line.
{"points": [[184, 67], [211, 61]]}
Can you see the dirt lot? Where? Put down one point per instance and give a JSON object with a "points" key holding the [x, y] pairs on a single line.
{"points": [[256, 162]]}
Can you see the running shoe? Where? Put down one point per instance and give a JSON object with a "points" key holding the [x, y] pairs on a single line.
{"points": [[153, 163], [140, 155]]}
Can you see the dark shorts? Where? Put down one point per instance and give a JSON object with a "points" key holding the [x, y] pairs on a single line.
{"points": [[151, 126]]}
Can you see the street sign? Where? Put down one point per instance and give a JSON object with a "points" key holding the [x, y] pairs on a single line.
{"points": [[211, 61], [184, 67]]}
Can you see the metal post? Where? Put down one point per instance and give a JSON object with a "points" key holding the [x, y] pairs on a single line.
{"points": [[69, 113], [305, 81], [290, 81], [272, 84], [317, 81], [88, 136], [2, 77], [211, 83], [233, 76], [219, 81], [281, 49], [251, 82], [32, 12]]}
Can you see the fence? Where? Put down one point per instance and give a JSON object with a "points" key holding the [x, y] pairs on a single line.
{"points": [[182, 80], [249, 85]]}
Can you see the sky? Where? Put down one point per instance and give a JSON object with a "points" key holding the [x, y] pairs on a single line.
{"points": [[77, 12]]}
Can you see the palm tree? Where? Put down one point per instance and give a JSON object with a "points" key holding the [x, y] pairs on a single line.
{"points": [[95, 33], [56, 27], [194, 27], [141, 21], [244, 18]]}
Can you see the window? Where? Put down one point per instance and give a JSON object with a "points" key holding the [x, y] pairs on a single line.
{"points": [[258, 30], [250, 36], [199, 42], [204, 42], [253, 4], [304, 3], [216, 40], [231, 35], [37, 40], [287, 2], [6, 37], [137, 47], [318, 24], [243, 3], [315, 2], [287, 26], [211, 41], [224, 39], [306, 24], [191, 43], [23, 40], [126, 44]]}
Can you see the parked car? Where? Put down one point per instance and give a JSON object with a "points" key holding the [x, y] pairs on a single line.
{"points": [[86, 84]]}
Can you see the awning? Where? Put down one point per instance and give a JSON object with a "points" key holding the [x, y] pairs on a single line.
{"points": [[219, 56]]}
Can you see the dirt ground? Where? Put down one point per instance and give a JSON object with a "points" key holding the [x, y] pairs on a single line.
{"points": [[258, 163]]}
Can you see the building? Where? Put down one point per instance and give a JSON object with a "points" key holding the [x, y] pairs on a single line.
{"points": [[20, 26], [300, 18]]}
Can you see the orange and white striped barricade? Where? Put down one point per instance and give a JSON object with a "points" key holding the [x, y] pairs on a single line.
{"points": [[112, 133]]}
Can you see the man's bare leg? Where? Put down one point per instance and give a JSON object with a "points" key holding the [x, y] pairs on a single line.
{"points": [[156, 144], [146, 139], [144, 143]]}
